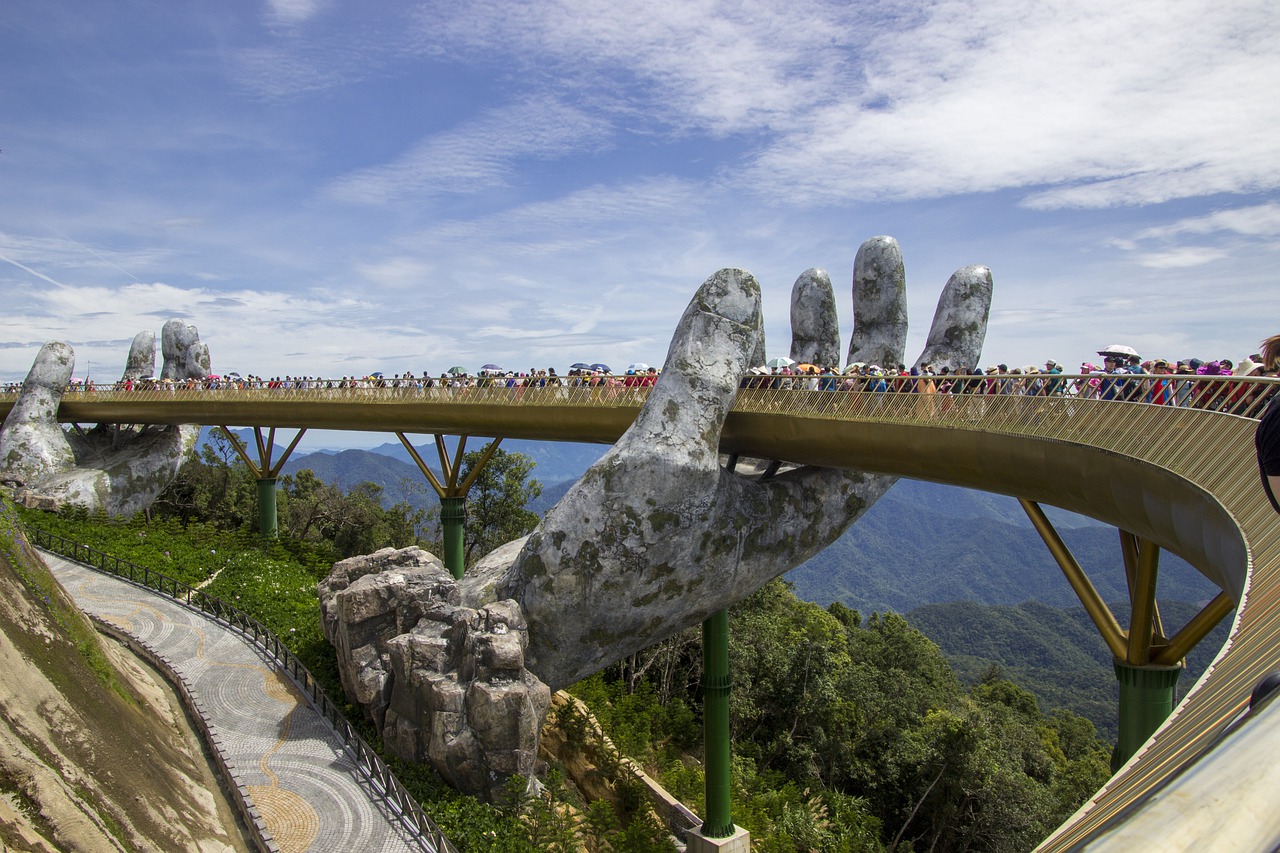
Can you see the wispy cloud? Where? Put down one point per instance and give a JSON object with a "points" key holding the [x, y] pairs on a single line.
{"points": [[1262, 220], [479, 155], [1084, 104]]}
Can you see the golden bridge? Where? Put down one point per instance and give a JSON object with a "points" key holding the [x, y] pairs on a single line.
{"points": [[1179, 478]]}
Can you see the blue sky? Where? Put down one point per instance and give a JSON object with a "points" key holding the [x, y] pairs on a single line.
{"points": [[340, 187]]}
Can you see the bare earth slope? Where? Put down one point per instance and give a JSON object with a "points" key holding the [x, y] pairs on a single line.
{"points": [[95, 752]]}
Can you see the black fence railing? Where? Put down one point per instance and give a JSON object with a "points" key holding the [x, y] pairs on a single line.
{"points": [[375, 771]]}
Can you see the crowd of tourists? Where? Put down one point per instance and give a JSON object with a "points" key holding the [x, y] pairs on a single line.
{"points": [[1119, 373]]}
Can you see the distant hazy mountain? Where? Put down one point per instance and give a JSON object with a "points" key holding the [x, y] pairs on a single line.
{"points": [[556, 461], [924, 544]]}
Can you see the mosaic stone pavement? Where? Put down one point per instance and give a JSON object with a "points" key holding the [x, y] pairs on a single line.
{"points": [[283, 756]]}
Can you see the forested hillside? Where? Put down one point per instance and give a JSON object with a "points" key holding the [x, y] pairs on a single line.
{"points": [[1055, 652]]}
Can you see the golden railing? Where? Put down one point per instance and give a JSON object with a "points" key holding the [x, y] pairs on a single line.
{"points": [[1182, 477]]}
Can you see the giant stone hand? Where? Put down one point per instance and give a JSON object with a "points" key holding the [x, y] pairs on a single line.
{"points": [[655, 537], [116, 468], [658, 534]]}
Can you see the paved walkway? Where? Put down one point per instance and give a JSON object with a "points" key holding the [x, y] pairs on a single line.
{"points": [[304, 792]]}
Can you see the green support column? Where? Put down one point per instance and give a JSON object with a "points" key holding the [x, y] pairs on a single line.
{"points": [[715, 724], [453, 522], [1146, 701], [267, 520]]}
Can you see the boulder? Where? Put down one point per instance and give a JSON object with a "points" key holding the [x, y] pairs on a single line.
{"points": [[444, 684]]}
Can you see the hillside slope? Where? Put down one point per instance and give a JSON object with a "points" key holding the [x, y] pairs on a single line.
{"points": [[95, 753], [924, 543], [1055, 652]]}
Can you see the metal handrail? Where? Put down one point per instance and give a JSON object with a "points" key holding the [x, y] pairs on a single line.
{"points": [[1246, 396], [371, 766]]}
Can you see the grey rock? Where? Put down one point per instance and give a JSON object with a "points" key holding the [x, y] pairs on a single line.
{"points": [[879, 303], [443, 683], [118, 469], [658, 535], [142, 357], [33, 445], [815, 325], [185, 355]]}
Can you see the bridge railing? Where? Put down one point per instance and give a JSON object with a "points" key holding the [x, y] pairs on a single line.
{"points": [[1246, 396], [380, 778]]}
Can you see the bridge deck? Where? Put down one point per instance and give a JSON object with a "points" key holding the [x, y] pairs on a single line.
{"points": [[1183, 478]]}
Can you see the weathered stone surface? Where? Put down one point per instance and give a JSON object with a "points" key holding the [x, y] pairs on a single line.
{"points": [[657, 535], [184, 353], [142, 357], [442, 682], [32, 445], [654, 538], [880, 304], [118, 469], [815, 324]]}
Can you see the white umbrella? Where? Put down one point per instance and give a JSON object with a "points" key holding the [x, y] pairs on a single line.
{"points": [[637, 367], [1118, 350], [780, 361]]}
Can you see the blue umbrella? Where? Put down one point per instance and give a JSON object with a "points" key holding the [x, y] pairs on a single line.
{"points": [[579, 365], [603, 368]]}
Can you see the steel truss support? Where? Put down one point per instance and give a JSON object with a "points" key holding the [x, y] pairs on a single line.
{"points": [[1147, 662], [266, 472], [452, 494]]}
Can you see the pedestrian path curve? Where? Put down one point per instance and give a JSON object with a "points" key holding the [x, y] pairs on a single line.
{"points": [[300, 789]]}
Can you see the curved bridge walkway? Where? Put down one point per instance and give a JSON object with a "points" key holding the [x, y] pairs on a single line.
{"points": [[1184, 479], [291, 774]]}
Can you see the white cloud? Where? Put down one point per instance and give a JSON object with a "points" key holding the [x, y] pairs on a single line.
{"points": [[1262, 220], [1098, 103], [1182, 256], [478, 155], [294, 11], [1180, 244]]}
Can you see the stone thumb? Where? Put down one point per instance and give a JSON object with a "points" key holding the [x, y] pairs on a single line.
{"points": [[721, 330], [32, 444]]}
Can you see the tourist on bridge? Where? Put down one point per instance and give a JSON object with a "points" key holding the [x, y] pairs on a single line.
{"points": [[1267, 438]]}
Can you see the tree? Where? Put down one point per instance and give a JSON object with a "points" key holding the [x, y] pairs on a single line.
{"points": [[214, 486], [496, 504], [354, 522]]}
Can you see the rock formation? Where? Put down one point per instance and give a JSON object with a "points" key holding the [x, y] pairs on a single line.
{"points": [[444, 684], [117, 468]]}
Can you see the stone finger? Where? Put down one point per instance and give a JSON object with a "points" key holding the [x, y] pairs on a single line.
{"points": [[142, 357], [32, 443], [719, 337], [815, 322], [960, 321], [185, 356], [879, 304]]}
